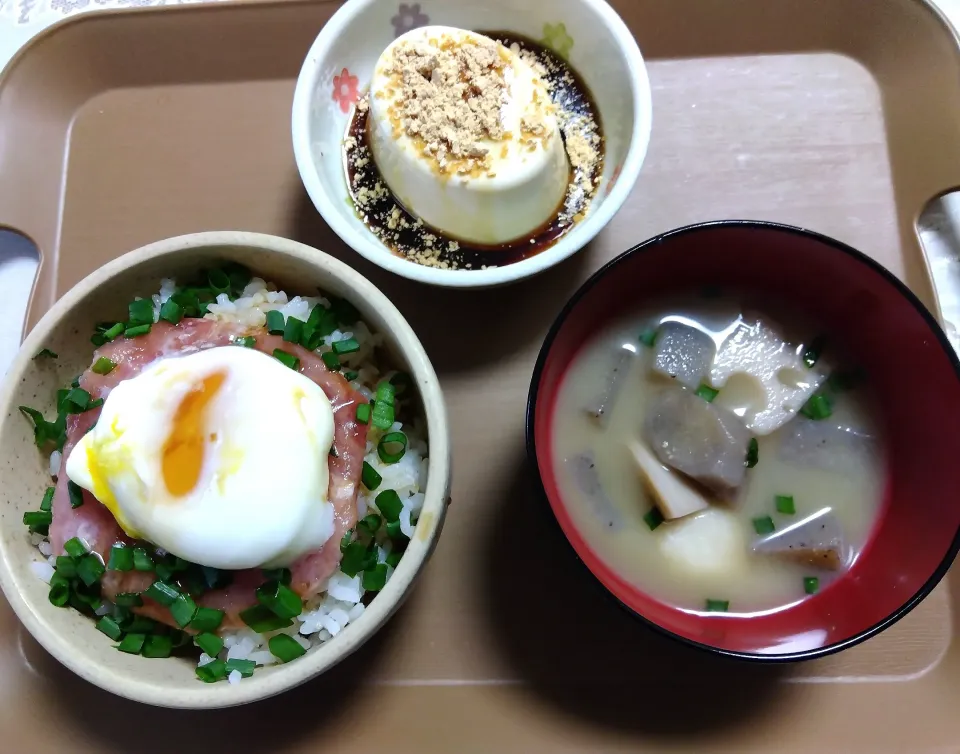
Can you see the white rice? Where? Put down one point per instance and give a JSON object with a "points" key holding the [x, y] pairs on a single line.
{"points": [[339, 603]]}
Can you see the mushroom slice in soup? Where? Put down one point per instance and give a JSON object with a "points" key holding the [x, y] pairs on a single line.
{"points": [[683, 353], [674, 497], [756, 348], [815, 541], [707, 443]]}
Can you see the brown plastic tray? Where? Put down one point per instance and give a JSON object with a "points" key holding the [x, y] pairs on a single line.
{"points": [[843, 116]]}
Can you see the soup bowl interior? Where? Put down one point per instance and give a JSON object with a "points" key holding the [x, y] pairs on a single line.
{"points": [[911, 367], [340, 65], [24, 473]]}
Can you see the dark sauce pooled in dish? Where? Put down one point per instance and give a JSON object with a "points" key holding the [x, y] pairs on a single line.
{"points": [[408, 237]]}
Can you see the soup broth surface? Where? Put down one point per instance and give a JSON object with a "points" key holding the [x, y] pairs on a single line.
{"points": [[839, 466]]}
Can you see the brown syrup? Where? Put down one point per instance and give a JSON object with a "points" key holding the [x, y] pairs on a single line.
{"points": [[409, 237]]}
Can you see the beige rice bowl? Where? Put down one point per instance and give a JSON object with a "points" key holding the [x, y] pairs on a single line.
{"points": [[342, 600]]}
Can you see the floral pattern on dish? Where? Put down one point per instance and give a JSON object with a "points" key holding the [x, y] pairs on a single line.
{"points": [[555, 37], [408, 17], [345, 90]]}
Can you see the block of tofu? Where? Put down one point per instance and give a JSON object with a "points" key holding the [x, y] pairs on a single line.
{"points": [[756, 348]]}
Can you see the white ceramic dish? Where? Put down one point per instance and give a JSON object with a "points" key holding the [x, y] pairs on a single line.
{"points": [[339, 67], [24, 473]]}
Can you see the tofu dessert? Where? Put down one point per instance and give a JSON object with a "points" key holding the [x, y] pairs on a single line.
{"points": [[472, 150], [465, 135]]}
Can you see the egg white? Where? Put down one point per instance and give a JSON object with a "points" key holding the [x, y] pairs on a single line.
{"points": [[260, 499]]}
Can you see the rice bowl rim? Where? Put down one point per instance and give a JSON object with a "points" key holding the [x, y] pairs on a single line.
{"points": [[267, 681]]}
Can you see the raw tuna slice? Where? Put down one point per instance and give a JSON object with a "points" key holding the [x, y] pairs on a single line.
{"points": [[94, 524]]}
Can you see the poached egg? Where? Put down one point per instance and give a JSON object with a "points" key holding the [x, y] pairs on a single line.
{"points": [[219, 457]]}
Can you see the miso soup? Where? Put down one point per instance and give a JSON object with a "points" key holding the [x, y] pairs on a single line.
{"points": [[721, 457]]}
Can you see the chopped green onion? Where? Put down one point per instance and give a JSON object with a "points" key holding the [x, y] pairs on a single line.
{"points": [[97, 339], [212, 671], [281, 600], [76, 401], [59, 590], [350, 376], [261, 619], [707, 393], [140, 624], [113, 332], [785, 504], [718, 606], [330, 361], [109, 626], [275, 323], [140, 312], [401, 381], [183, 610], [207, 619], [209, 643], [363, 413], [215, 578], [389, 504], [46, 353], [333, 452], [393, 558], [820, 406], [244, 667], [375, 578], [353, 559], [653, 518], [395, 532], [47, 503], [287, 359], [157, 646], [90, 569], [142, 560], [345, 312], [282, 575], [383, 407], [128, 599], [132, 643], [292, 330], [103, 365], [370, 478], [285, 648], [248, 341], [370, 523], [343, 347], [165, 594], [66, 566], [164, 571], [171, 311], [648, 338], [753, 453], [75, 548], [219, 281], [45, 432], [392, 447], [812, 354], [811, 584], [238, 275], [121, 558], [345, 540], [38, 519], [134, 332], [75, 491], [763, 525], [95, 404]]}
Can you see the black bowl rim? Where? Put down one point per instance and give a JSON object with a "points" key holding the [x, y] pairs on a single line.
{"points": [[935, 329]]}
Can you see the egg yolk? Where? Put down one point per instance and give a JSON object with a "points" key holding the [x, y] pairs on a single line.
{"points": [[182, 459]]}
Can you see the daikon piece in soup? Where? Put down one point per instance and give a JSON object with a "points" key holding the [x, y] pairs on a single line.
{"points": [[721, 457]]}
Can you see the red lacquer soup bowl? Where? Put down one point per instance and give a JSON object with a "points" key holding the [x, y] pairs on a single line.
{"points": [[912, 368]]}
